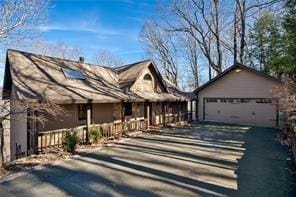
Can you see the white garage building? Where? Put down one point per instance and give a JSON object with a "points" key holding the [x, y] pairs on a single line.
{"points": [[239, 95]]}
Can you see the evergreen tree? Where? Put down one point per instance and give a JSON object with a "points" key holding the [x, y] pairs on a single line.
{"points": [[288, 60], [264, 44]]}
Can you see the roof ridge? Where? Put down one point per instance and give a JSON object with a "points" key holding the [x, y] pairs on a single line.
{"points": [[132, 64], [59, 58]]}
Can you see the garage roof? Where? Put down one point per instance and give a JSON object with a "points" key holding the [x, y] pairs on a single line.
{"points": [[231, 68]]}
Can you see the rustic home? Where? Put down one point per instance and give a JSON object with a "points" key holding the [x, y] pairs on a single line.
{"points": [[133, 96], [239, 95]]}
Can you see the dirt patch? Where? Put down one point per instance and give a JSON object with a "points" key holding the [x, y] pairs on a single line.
{"points": [[31, 161]]}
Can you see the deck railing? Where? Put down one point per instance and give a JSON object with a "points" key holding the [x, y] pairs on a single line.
{"points": [[48, 139]]}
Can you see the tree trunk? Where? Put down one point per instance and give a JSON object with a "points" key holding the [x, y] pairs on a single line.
{"points": [[210, 73], [243, 31], [235, 36], [217, 34]]}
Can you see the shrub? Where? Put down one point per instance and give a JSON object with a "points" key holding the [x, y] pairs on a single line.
{"points": [[69, 141], [95, 133]]}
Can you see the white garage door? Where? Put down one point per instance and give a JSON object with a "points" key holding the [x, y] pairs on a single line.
{"points": [[259, 112]]}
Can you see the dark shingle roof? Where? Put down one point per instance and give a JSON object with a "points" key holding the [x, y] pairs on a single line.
{"points": [[38, 77]]}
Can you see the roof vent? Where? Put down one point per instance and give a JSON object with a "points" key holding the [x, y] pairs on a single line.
{"points": [[81, 60]]}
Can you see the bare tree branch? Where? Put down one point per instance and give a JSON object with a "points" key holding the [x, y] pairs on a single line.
{"points": [[160, 44], [107, 58]]}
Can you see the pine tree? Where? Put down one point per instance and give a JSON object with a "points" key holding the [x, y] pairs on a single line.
{"points": [[264, 44], [289, 40]]}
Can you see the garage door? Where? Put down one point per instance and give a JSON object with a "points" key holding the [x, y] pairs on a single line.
{"points": [[259, 112]]}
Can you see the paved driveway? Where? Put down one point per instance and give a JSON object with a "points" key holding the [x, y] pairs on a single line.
{"points": [[205, 160]]}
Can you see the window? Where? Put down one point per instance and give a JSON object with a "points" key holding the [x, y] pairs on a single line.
{"points": [[82, 110], [244, 100], [148, 77], [212, 100], [223, 100], [264, 100], [127, 109], [72, 74], [230, 100]]}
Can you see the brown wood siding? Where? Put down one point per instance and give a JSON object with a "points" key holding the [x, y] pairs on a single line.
{"points": [[102, 113], [70, 120]]}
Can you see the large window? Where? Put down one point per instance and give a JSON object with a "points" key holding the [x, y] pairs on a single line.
{"points": [[82, 111], [128, 109], [72, 74]]}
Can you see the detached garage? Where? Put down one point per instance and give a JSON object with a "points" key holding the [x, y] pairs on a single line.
{"points": [[239, 95]]}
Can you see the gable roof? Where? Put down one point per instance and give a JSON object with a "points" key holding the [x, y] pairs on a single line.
{"points": [[39, 77], [128, 74], [231, 68]]}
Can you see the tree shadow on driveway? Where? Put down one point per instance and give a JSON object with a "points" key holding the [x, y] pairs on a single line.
{"points": [[199, 160]]}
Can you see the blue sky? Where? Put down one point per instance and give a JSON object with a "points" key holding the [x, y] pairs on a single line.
{"points": [[92, 25]]}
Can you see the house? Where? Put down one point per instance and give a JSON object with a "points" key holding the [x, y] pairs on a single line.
{"points": [[90, 94], [239, 95]]}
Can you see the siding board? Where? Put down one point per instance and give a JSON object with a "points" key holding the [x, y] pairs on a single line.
{"points": [[243, 84]]}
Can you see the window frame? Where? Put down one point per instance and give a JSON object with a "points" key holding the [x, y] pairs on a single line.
{"points": [[147, 77], [67, 73]]}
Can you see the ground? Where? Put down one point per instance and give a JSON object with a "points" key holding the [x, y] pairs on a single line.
{"points": [[202, 159]]}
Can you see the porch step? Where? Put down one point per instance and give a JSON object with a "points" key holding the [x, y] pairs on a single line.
{"points": [[156, 127], [134, 133]]}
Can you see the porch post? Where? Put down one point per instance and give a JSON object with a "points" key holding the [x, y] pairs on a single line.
{"points": [[35, 132], [148, 116], [196, 109], [164, 113], [191, 105], [88, 121], [179, 112]]}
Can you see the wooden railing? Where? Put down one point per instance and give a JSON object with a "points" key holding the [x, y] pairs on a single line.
{"points": [[174, 118], [50, 139]]}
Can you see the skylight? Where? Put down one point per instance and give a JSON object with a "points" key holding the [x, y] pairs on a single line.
{"points": [[72, 74]]}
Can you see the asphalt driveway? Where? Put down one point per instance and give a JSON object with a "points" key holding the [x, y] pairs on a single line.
{"points": [[198, 160]]}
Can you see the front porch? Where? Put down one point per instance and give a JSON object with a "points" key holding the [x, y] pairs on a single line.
{"points": [[127, 117]]}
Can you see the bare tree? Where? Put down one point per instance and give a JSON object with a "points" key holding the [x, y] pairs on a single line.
{"points": [[18, 21], [19, 18], [235, 32], [18, 110], [107, 58], [59, 49], [202, 21], [242, 10], [191, 58], [161, 45]]}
